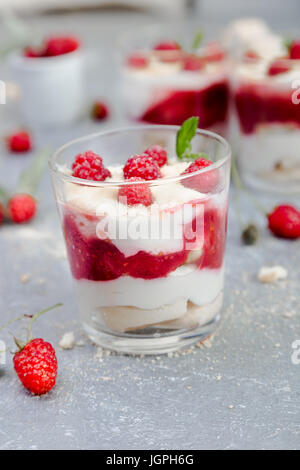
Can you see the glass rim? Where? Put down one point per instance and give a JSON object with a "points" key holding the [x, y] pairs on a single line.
{"points": [[169, 179]]}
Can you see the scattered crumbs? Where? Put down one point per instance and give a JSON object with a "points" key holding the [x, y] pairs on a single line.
{"points": [[24, 278], [230, 407], [218, 377], [277, 345], [289, 314], [105, 378], [189, 387], [271, 274], [41, 281], [80, 343], [206, 343], [67, 340]]}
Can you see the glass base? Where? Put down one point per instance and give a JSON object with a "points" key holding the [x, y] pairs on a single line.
{"points": [[155, 343]]}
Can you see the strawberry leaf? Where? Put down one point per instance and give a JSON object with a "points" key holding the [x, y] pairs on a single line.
{"points": [[31, 176], [185, 135]]}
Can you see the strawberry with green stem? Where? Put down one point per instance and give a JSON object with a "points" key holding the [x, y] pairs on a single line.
{"points": [[35, 361]]}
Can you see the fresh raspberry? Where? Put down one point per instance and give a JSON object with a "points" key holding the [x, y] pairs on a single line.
{"points": [[21, 208], [137, 60], [284, 222], [89, 166], [168, 51], [141, 166], [205, 182], [277, 67], [36, 366], [136, 193], [192, 63], [147, 266], [19, 142], [158, 154], [215, 228], [295, 50], [213, 53], [100, 111], [60, 45]]}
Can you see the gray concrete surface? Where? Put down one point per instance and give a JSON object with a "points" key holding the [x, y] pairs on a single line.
{"points": [[243, 392]]}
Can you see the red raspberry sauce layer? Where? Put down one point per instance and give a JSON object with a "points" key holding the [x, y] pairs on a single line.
{"points": [[210, 104], [100, 260], [258, 104]]}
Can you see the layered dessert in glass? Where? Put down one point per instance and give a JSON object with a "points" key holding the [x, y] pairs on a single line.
{"points": [[266, 121], [168, 75], [145, 234]]}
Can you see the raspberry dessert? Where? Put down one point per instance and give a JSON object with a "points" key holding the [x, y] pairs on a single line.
{"points": [[267, 112], [146, 241], [165, 82]]}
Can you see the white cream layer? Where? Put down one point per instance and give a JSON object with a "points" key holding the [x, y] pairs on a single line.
{"points": [[184, 284]]}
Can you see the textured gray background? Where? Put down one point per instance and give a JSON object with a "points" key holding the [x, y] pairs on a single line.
{"points": [[242, 392]]}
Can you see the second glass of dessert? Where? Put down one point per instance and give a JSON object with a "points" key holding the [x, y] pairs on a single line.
{"points": [[169, 74], [266, 121], [144, 215]]}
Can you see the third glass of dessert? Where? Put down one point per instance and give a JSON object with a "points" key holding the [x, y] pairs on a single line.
{"points": [[144, 215], [171, 73]]}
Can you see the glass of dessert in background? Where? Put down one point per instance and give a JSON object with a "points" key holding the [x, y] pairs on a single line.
{"points": [[265, 122], [50, 78], [169, 73], [145, 232]]}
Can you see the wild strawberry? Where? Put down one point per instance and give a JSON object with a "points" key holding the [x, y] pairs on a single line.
{"points": [[295, 50], [89, 166], [36, 366], [21, 208], [205, 182], [136, 193], [137, 60], [192, 63], [19, 142], [284, 222], [60, 45], [141, 166], [278, 67], [100, 111], [158, 154]]}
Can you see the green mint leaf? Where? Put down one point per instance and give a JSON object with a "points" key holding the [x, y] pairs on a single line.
{"points": [[287, 44], [185, 135], [197, 40], [31, 176]]}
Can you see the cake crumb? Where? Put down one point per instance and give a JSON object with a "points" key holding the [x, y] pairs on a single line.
{"points": [[271, 274], [230, 407], [24, 278], [67, 341]]}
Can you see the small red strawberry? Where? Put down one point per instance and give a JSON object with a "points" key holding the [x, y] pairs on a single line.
{"points": [[277, 67], [167, 46], [141, 166], [100, 111], [19, 142], [284, 222], [21, 208], [36, 366], [60, 45], [137, 60], [168, 51], [295, 50], [136, 193], [205, 182], [158, 154]]}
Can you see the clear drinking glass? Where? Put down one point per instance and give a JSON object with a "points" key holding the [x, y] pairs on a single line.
{"points": [[266, 123], [147, 279]]}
